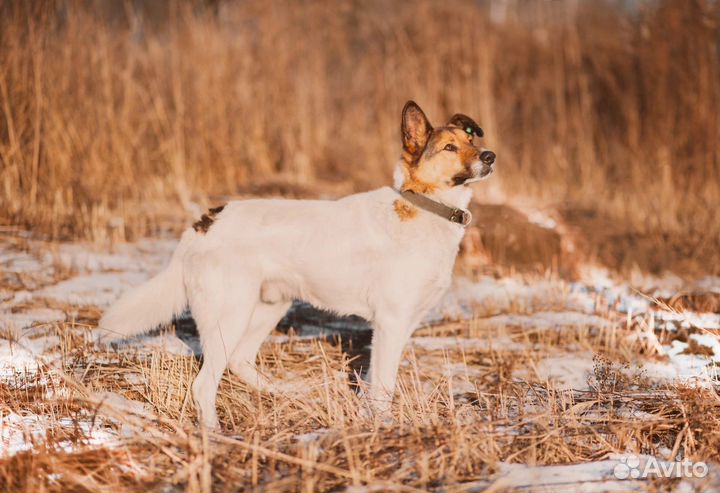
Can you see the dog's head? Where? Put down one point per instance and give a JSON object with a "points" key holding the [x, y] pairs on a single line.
{"points": [[442, 157]]}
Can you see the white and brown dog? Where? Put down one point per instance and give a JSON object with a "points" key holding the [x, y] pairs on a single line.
{"points": [[385, 255]]}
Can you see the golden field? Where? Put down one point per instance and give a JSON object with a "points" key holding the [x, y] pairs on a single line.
{"points": [[583, 324], [117, 120]]}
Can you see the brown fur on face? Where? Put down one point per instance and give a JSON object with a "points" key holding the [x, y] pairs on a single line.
{"points": [[428, 165]]}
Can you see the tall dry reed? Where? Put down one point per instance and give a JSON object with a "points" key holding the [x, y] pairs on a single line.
{"points": [[114, 114]]}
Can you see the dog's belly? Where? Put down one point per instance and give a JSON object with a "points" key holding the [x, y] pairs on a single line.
{"points": [[361, 287], [340, 296]]}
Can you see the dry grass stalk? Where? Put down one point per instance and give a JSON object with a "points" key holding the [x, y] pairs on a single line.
{"points": [[112, 118], [450, 428]]}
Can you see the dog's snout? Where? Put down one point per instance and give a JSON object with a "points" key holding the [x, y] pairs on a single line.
{"points": [[487, 157]]}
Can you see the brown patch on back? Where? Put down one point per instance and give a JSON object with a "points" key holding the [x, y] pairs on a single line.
{"points": [[207, 220], [404, 210]]}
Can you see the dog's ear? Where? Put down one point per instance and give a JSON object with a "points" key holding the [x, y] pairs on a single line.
{"points": [[415, 129], [467, 124]]}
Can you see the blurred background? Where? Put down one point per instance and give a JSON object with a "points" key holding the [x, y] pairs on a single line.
{"points": [[122, 119]]}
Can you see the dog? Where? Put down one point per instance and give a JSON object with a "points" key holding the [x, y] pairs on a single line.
{"points": [[386, 255]]}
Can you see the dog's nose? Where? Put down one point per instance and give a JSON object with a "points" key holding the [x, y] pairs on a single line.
{"points": [[487, 157]]}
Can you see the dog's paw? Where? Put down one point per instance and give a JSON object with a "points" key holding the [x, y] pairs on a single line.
{"points": [[379, 411], [211, 423], [207, 419]]}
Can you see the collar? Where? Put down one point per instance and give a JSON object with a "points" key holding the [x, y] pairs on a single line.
{"points": [[452, 214]]}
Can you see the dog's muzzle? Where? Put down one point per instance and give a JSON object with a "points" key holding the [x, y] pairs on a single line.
{"points": [[485, 165], [487, 157]]}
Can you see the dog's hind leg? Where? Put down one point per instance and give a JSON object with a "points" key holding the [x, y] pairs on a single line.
{"points": [[222, 308], [242, 362]]}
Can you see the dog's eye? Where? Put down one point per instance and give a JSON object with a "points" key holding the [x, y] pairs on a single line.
{"points": [[451, 148]]}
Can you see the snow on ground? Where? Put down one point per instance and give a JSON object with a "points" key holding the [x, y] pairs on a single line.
{"points": [[693, 368], [546, 320], [566, 371], [619, 472], [15, 359], [96, 288], [19, 433], [23, 320], [499, 295], [96, 278], [446, 343], [541, 219], [671, 320], [73, 275]]}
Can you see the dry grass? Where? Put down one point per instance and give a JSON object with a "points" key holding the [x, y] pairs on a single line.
{"points": [[449, 432], [112, 117], [114, 121]]}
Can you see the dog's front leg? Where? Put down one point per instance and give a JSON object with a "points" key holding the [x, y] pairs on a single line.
{"points": [[389, 338]]}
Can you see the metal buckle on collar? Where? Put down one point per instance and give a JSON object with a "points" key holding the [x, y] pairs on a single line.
{"points": [[461, 217]]}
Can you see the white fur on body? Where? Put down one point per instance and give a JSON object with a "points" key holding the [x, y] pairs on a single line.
{"points": [[351, 256]]}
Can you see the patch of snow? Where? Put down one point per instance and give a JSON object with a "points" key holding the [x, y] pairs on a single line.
{"points": [[16, 360], [597, 278], [659, 371], [39, 345], [19, 261], [20, 361], [143, 256], [92, 289], [135, 378], [710, 321], [456, 343], [603, 475], [465, 296], [540, 219], [624, 299], [122, 403], [710, 341], [567, 371], [22, 296], [620, 296], [546, 320], [312, 436], [118, 402], [168, 343], [691, 368], [22, 320], [19, 433], [709, 283], [284, 338], [585, 477], [104, 276]]}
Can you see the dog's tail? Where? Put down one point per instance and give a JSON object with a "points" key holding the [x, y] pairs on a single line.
{"points": [[149, 305]]}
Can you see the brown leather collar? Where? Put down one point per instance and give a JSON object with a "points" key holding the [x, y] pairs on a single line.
{"points": [[452, 214]]}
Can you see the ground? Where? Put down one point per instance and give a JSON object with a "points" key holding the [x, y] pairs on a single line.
{"points": [[519, 381]]}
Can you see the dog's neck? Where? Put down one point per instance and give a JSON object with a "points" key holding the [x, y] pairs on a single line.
{"points": [[458, 196]]}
